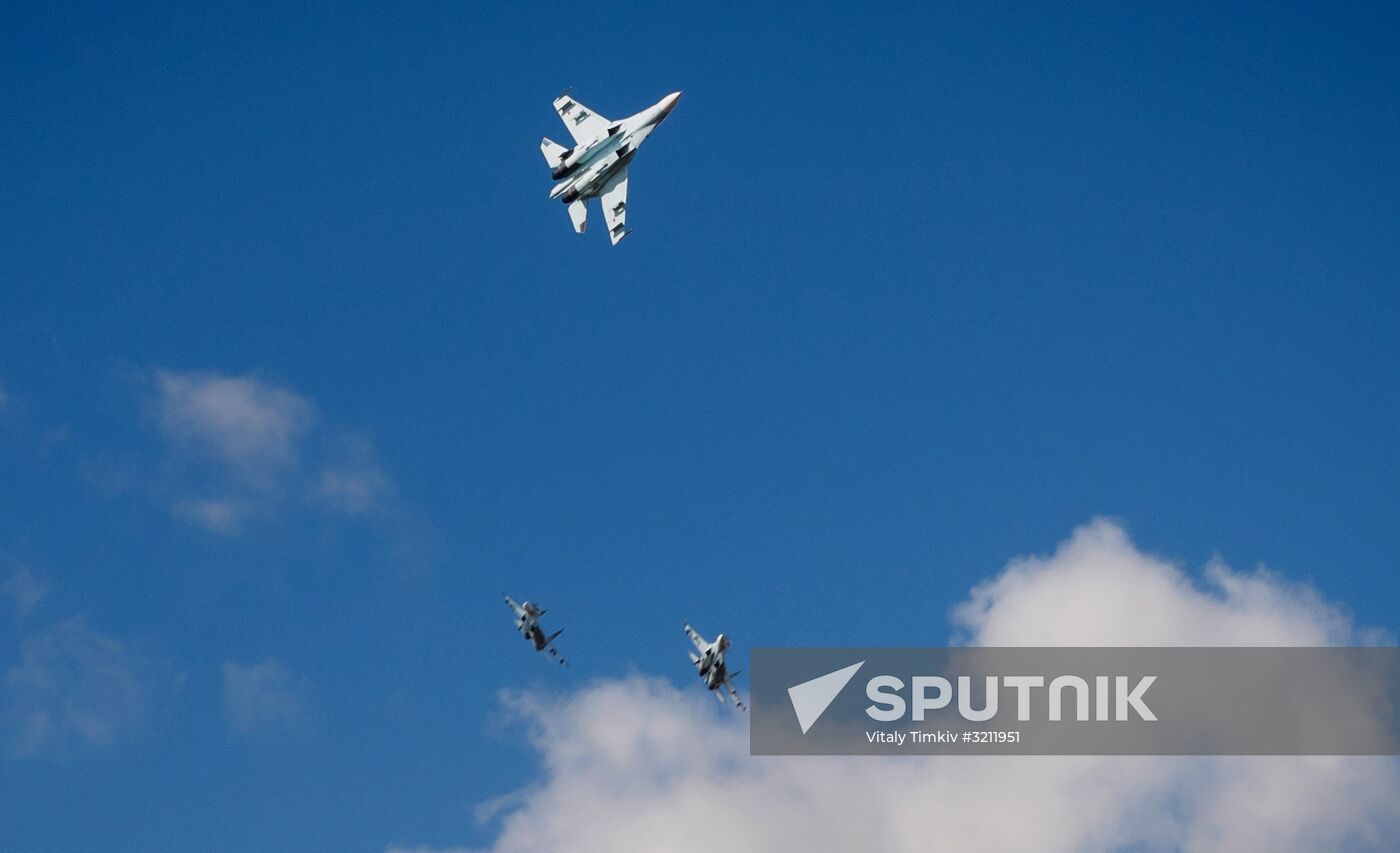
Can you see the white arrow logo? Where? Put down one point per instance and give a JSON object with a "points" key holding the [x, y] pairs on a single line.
{"points": [[810, 699]]}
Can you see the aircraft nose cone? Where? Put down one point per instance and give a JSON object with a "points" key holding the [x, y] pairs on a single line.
{"points": [[668, 103]]}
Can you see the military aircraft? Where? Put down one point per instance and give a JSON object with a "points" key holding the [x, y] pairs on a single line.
{"points": [[596, 166], [527, 622], [708, 658]]}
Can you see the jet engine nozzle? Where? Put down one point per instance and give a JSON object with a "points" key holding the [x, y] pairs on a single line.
{"points": [[566, 163]]}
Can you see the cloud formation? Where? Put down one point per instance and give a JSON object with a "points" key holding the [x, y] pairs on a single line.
{"points": [[637, 764], [247, 448], [248, 425], [25, 590], [75, 685], [352, 482], [261, 695], [1098, 589], [219, 515]]}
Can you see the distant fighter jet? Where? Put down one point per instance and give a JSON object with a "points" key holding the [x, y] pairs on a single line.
{"points": [[597, 164], [709, 663], [527, 622]]}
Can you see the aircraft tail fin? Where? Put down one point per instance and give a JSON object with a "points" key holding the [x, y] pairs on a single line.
{"points": [[553, 152], [578, 213], [550, 638]]}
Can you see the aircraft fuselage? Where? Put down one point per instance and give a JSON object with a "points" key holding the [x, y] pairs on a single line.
{"points": [[715, 676], [585, 169]]}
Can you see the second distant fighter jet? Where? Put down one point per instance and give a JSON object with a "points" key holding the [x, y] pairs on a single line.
{"points": [[596, 166], [708, 658], [527, 622]]}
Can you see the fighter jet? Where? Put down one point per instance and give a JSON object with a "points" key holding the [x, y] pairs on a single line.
{"points": [[527, 622], [596, 167], [709, 664]]}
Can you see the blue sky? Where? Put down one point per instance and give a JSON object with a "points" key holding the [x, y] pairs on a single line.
{"points": [[910, 294]]}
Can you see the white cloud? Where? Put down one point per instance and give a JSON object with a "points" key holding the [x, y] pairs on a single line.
{"points": [[244, 447], [74, 684], [25, 590], [637, 764], [249, 425], [222, 515], [261, 695], [1099, 589], [353, 482]]}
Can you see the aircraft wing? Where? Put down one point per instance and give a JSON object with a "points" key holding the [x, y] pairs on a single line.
{"points": [[518, 610], [614, 198], [584, 124], [553, 651], [700, 642], [739, 703]]}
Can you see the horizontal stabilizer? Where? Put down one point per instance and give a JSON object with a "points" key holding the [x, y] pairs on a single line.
{"points": [[578, 213], [553, 152]]}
